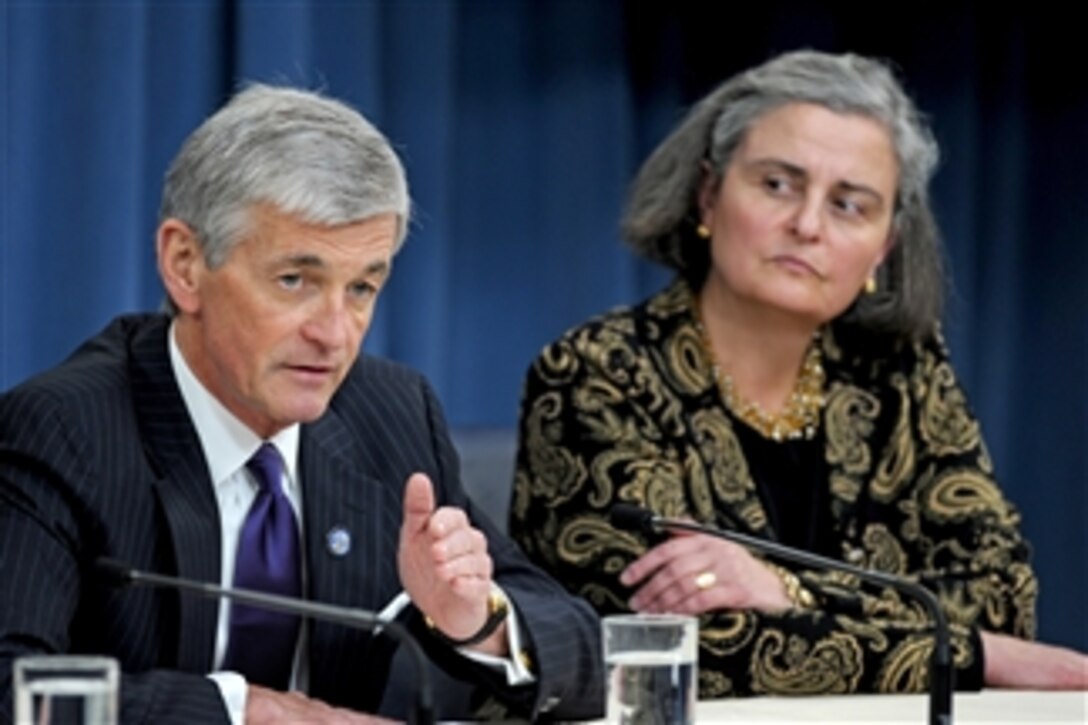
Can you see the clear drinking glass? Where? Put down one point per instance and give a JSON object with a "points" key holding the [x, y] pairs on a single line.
{"points": [[68, 689], [652, 662]]}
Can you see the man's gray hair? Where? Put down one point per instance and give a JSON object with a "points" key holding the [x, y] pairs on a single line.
{"points": [[662, 210], [311, 157]]}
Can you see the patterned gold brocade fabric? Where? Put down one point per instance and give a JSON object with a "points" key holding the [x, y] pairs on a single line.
{"points": [[625, 408]]}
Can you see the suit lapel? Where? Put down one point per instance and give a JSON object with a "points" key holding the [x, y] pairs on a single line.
{"points": [[850, 419], [183, 489], [717, 476], [351, 529]]}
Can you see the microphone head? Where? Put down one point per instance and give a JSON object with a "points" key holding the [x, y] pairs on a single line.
{"points": [[629, 517], [113, 571]]}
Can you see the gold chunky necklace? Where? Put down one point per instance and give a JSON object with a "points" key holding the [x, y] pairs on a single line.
{"points": [[799, 418]]}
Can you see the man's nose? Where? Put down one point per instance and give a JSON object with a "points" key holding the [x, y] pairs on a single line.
{"points": [[330, 323]]}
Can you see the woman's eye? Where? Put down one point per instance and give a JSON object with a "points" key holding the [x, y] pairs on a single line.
{"points": [[849, 206], [777, 184]]}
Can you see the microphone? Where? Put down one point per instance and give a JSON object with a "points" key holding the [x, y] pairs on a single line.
{"points": [[120, 575], [635, 518]]}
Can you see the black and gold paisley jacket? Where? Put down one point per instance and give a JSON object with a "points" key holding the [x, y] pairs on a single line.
{"points": [[625, 408]]}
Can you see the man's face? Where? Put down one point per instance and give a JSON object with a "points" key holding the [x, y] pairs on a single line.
{"points": [[273, 330]]}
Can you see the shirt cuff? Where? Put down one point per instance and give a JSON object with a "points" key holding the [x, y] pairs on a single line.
{"points": [[234, 689], [516, 666], [970, 676]]}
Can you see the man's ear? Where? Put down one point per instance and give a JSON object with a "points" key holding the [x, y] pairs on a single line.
{"points": [[181, 263]]}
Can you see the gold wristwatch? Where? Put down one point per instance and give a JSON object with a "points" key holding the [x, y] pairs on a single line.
{"points": [[498, 606]]}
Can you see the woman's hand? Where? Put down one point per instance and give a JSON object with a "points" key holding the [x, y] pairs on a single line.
{"points": [[696, 573], [1023, 665]]}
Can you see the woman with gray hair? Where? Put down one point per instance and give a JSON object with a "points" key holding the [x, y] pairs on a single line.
{"points": [[790, 384]]}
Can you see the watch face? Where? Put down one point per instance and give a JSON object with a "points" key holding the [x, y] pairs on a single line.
{"points": [[496, 603]]}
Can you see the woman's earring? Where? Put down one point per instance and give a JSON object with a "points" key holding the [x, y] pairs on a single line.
{"points": [[702, 231], [870, 285]]}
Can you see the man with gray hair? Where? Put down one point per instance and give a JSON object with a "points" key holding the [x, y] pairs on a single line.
{"points": [[241, 440]]}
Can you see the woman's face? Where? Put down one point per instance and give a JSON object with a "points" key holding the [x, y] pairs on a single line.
{"points": [[803, 214]]}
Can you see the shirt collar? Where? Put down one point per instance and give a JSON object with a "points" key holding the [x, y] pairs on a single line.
{"points": [[227, 442]]}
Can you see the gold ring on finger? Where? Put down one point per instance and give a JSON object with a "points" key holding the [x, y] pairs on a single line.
{"points": [[706, 580]]}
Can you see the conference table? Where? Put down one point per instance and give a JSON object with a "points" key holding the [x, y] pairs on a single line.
{"points": [[988, 706]]}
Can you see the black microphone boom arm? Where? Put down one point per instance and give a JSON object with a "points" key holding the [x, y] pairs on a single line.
{"points": [[121, 575]]}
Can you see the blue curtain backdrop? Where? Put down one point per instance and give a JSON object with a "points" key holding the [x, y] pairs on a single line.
{"points": [[521, 124]]}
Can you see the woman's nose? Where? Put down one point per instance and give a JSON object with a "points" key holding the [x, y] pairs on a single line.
{"points": [[808, 220]]}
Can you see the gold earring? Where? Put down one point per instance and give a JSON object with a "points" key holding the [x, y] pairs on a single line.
{"points": [[870, 285], [702, 231]]}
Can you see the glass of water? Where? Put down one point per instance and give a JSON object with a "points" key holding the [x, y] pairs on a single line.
{"points": [[68, 689], [652, 662]]}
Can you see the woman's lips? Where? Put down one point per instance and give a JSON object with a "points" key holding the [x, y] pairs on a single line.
{"points": [[796, 265]]}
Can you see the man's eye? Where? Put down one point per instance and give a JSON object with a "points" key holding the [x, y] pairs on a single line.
{"points": [[290, 281], [362, 290]]}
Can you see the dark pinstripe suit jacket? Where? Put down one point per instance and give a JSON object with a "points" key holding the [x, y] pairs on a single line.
{"points": [[99, 457]]}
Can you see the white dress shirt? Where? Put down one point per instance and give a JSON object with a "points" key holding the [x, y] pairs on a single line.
{"points": [[228, 445]]}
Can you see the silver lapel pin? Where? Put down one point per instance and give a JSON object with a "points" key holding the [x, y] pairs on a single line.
{"points": [[338, 541]]}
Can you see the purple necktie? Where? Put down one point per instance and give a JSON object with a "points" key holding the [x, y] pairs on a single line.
{"points": [[262, 643]]}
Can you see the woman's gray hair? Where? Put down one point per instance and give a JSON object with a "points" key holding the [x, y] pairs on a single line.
{"points": [[311, 157], [663, 211]]}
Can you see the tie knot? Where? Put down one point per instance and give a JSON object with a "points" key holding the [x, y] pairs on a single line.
{"points": [[267, 465]]}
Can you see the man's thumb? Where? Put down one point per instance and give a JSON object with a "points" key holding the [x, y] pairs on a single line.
{"points": [[418, 502]]}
